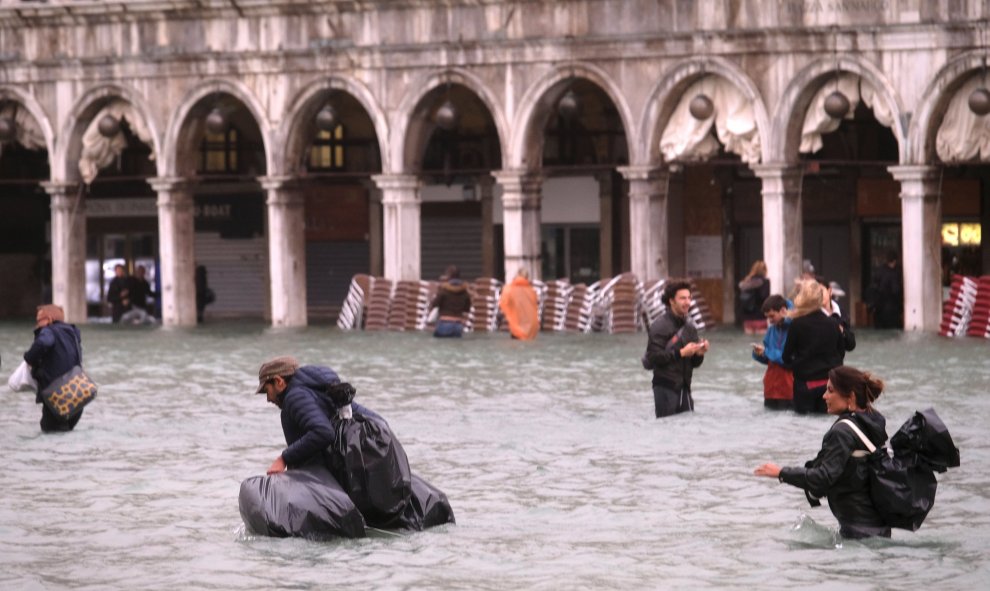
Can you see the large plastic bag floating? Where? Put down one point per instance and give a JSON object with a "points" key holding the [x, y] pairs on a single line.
{"points": [[427, 507], [306, 502], [368, 460]]}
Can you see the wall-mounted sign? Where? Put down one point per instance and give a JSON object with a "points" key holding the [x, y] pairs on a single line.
{"points": [[703, 256]]}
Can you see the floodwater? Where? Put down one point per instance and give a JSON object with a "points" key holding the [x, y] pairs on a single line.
{"points": [[559, 476]]}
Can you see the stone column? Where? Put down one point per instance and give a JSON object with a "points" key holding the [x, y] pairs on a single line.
{"points": [[521, 221], [921, 240], [649, 257], [486, 186], [605, 224], [286, 250], [400, 225], [176, 250], [374, 228], [68, 232], [782, 224]]}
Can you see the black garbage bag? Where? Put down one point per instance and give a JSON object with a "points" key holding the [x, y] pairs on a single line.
{"points": [[903, 487], [924, 439], [306, 502], [368, 460], [427, 507]]}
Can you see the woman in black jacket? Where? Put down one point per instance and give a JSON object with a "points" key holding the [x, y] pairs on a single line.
{"points": [[839, 471], [814, 345]]}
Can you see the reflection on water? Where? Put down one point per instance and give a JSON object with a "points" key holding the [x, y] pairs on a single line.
{"points": [[558, 473]]}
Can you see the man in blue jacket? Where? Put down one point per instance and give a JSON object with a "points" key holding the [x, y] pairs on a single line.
{"points": [[778, 381], [305, 412]]}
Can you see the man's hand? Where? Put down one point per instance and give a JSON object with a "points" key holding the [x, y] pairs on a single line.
{"points": [[758, 349], [277, 466]]}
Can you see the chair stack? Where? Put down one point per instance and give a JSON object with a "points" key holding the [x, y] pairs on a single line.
{"points": [[958, 308], [409, 306], [579, 308], [620, 302], [541, 296], [979, 324], [484, 304], [700, 313], [379, 303], [652, 304], [353, 309], [558, 296]]}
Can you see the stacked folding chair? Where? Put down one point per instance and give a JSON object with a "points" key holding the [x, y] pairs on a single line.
{"points": [[700, 313], [979, 324], [541, 295], [652, 305], [379, 303], [484, 304], [558, 295], [958, 308], [579, 308], [353, 309], [420, 294], [620, 304]]}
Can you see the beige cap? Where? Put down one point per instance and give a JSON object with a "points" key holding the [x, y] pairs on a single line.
{"points": [[280, 366]]}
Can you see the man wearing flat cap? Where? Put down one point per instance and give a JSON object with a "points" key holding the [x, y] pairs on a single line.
{"points": [[305, 412]]}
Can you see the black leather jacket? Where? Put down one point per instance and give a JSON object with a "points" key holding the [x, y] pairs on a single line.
{"points": [[663, 351], [836, 474]]}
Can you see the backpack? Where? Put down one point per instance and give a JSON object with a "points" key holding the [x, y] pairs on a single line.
{"points": [[903, 486]]}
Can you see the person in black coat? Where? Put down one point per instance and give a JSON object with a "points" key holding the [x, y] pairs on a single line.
{"points": [[305, 414], [839, 471], [56, 349], [673, 351], [886, 294], [815, 344], [119, 293]]}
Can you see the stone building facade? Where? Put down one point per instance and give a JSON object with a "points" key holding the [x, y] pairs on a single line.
{"points": [[288, 143]]}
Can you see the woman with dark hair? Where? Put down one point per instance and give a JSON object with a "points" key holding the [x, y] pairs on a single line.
{"points": [[839, 471]]}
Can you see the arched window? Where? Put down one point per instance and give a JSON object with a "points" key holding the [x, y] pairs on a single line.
{"points": [[327, 151], [219, 151]]}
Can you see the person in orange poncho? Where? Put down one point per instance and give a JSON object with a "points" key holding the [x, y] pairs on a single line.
{"points": [[519, 305]]}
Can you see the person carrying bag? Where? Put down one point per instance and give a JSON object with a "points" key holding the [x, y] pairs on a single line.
{"points": [[55, 358]]}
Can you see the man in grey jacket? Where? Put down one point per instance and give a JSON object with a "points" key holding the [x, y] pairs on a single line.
{"points": [[673, 351]]}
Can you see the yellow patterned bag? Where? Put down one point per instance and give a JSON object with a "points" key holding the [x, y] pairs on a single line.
{"points": [[67, 395]]}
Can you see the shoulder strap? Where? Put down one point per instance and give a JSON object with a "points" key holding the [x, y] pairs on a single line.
{"points": [[862, 437]]}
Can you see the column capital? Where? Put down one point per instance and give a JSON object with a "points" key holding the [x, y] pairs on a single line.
{"points": [[276, 183], [914, 172], [59, 188], [778, 177], [643, 172], [397, 182], [518, 180], [773, 170], [171, 184], [917, 181]]}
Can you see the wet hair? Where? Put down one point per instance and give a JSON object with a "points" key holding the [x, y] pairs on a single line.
{"points": [[774, 302], [808, 298], [849, 381], [670, 290]]}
